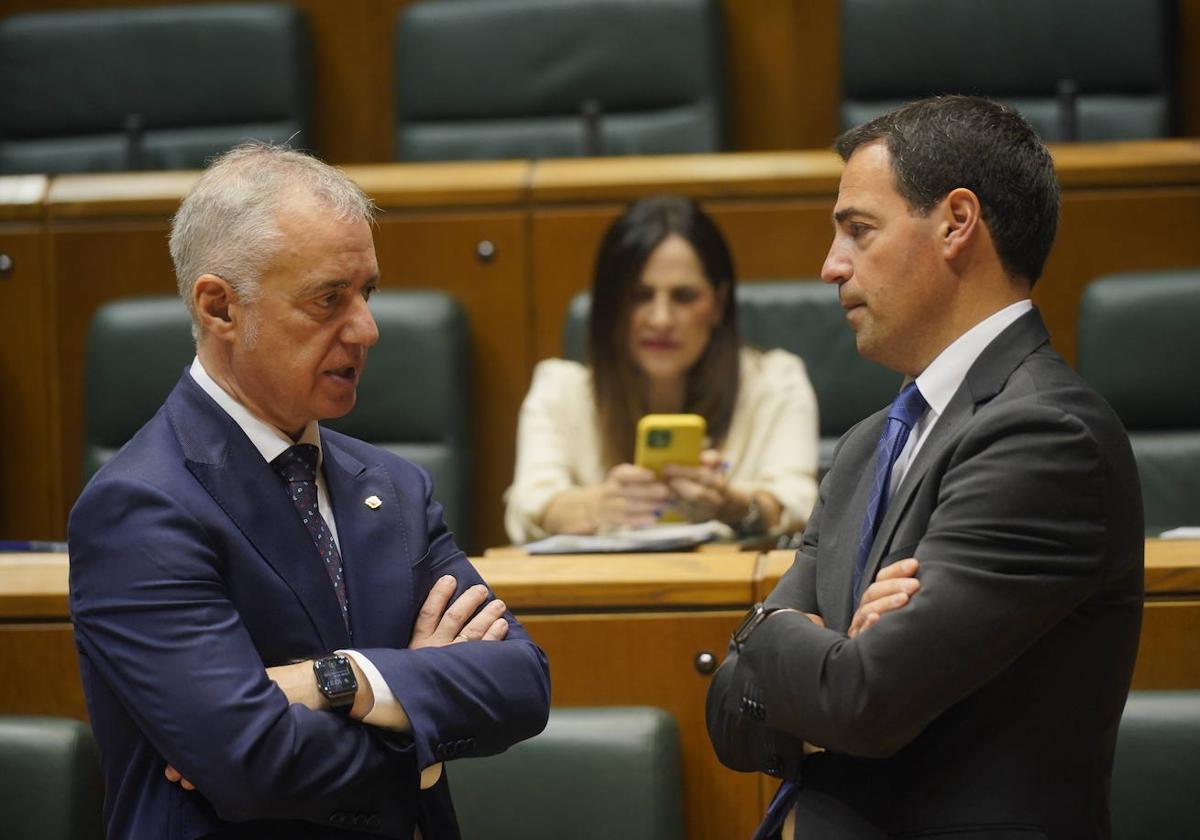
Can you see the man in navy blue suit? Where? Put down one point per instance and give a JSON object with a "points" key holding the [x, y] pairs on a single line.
{"points": [[277, 635]]}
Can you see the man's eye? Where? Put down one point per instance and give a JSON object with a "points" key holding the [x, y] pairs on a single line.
{"points": [[368, 291], [330, 299]]}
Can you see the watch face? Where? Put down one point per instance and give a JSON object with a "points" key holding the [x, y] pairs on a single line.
{"points": [[753, 617], [334, 676]]}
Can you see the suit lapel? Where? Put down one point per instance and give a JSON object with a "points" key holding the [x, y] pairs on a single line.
{"points": [[376, 556], [984, 380], [857, 454], [234, 473]]}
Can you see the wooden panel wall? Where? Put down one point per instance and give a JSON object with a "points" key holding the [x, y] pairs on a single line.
{"points": [[29, 489]]}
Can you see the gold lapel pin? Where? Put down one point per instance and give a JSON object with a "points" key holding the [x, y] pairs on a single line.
{"points": [[373, 502]]}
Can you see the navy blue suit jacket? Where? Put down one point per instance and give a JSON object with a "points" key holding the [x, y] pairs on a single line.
{"points": [[191, 572]]}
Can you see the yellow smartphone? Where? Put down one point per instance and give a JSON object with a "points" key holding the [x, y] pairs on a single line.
{"points": [[669, 439]]}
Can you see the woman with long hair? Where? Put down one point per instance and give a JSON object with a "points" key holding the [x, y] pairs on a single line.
{"points": [[663, 339]]}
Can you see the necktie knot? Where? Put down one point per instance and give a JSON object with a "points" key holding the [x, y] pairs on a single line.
{"points": [[297, 463], [908, 405]]}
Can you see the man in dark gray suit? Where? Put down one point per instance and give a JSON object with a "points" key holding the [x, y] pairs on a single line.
{"points": [[951, 650]]}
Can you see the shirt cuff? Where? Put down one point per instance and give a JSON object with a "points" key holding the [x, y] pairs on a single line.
{"points": [[386, 713]]}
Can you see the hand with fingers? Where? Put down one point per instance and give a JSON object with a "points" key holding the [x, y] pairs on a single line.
{"points": [[893, 587], [441, 622], [629, 497], [702, 491]]}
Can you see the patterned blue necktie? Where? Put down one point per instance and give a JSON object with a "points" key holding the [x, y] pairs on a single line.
{"points": [[298, 466], [902, 416]]}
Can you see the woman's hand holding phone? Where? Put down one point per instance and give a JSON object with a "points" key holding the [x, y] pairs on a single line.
{"points": [[702, 491], [629, 497]]}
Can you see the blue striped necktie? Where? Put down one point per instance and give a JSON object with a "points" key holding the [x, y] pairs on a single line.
{"points": [[902, 416], [298, 466]]}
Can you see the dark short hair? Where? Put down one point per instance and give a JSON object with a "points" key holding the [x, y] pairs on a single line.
{"points": [[946, 142], [624, 251]]}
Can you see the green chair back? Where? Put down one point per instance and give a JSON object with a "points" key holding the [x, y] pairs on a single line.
{"points": [[593, 774], [53, 788], [514, 78], [197, 80], [1139, 346], [413, 398], [1118, 53], [1156, 766]]}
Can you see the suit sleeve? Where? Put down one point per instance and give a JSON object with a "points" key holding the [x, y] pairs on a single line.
{"points": [[153, 617], [472, 698], [1015, 543], [736, 728]]}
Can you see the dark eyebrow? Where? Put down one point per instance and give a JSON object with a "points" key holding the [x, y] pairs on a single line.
{"points": [[842, 215]]}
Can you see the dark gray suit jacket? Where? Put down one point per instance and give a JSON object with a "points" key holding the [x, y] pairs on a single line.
{"points": [[988, 706]]}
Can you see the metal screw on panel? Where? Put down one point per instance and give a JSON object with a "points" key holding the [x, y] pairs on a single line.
{"points": [[705, 662], [485, 249]]}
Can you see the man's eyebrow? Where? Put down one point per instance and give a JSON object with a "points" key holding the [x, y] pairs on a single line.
{"points": [[319, 286], [842, 215]]}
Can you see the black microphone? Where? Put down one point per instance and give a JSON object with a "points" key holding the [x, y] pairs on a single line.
{"points": [[1068, 110], [593, 137], [135, 144]]}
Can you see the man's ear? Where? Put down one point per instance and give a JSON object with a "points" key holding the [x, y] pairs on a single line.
{"points": [[961, 218], [213, 298]]}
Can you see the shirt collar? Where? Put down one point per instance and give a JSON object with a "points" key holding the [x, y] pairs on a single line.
{"points": [[268, 440], [946, 373]]}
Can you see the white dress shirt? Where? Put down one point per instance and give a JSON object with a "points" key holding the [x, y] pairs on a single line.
{"points": [[942, 378]]}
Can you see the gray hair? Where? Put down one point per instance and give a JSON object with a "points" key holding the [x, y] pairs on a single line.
{"points": [[227, 224]]}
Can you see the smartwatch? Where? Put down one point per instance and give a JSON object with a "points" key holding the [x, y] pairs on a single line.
{"points": [[756, 616], [335, 679]]}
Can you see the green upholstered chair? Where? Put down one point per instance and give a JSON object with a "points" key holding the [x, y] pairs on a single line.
{"points": [[805, 318], [413, 398], [1118, 54], [593, 774], [513, 78], [52, 788], [1139, 346], [195, 79], [1157, 767]]}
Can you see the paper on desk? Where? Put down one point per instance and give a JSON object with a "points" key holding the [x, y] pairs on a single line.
{"points": [[660, 538], [1188, 532]]}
